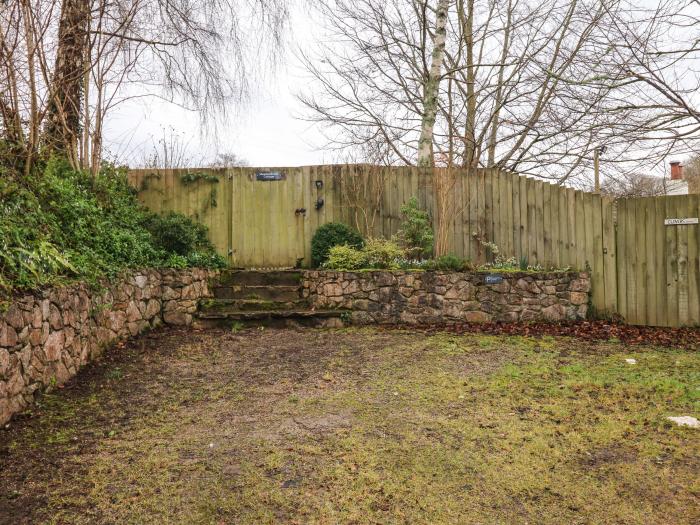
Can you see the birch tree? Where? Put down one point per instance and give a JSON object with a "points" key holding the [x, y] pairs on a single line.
{"points": [[432, 86]]}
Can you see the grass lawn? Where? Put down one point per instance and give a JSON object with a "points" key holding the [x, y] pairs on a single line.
{"points": [[361, 426]]}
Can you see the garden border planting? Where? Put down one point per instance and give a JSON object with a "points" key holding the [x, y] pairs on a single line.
{"points": [[46, 337]]}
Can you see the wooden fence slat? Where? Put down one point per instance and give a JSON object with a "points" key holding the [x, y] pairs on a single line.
{"points": [[682, 208], [694, 263], [596, 256]]}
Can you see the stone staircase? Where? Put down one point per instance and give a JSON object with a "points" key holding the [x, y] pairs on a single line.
{"points": [[262, 298]]}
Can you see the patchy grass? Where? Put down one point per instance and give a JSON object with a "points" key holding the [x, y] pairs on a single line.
{"points": [[361, 426]]}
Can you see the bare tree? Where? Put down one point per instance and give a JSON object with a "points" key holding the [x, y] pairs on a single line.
{"points": [[633, 185], [191, 52], [532, 87]]}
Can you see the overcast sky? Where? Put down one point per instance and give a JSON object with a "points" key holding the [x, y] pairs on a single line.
{"points": [[265, 131]]}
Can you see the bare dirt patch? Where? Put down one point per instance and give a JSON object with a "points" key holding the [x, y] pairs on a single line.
{"points": [[360, 426]]}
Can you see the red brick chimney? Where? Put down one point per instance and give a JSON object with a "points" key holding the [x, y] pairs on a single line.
{"points": [[676, 170]]}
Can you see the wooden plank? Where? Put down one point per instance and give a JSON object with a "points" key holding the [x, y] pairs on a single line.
{"points": [[481, 215], [609, 256], [596, 256], [539, 222], [555, 223], [532, 221], [563, 229], [682, 207], [622, 259], [547, 259], [580, 223], [514, 201], [642, 262], [694, 263], [524, 217], [648, 253], [671, 262], [661, 284]]}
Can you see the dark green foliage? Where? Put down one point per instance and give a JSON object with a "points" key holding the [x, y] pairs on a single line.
{"points": [[65, 224], [176, 233], [523, 264], [448, 263], [416, 232], [329, 235]]}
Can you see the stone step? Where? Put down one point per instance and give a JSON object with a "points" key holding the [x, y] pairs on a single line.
{"points": [[260, 278], [258, 292], [259, 305], [305, 317]]}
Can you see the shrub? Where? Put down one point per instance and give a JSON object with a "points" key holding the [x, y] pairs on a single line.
{"points": [[451, 263], [446, 263], [383, 254], [329, 235], [344, 257], [60, 223], [176, 233], [416, 233]]}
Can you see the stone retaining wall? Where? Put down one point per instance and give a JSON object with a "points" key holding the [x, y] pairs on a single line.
{"points": [[415, 297], [45, 338]]}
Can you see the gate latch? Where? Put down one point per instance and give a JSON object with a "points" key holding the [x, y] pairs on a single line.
{"points": [[300, 211]]}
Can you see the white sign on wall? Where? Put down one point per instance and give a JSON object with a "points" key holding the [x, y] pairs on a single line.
{"points": [[681, 222]]}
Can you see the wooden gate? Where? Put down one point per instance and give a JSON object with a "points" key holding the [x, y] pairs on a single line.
{"points": [[658, 264]]}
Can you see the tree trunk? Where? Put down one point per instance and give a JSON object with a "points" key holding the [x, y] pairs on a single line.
{"points": [[63, 124], [431, 90]]}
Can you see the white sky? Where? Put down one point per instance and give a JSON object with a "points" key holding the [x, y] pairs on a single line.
{"points": [[265, 131]]}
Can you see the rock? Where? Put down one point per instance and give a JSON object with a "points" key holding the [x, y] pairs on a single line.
{"points": [[132, 313], [141, 281], [177, 318], [554, 313], [4, 362], [8, 335], [152, 309], [578, 298], [14, 317], [54, 346], [477, 317], [685, 421]]}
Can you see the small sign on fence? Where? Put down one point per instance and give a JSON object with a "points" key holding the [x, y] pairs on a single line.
{"points": [[681, 222], [269, 176]]}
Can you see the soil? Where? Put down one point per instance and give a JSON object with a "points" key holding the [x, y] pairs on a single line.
{"points": [[359, 426]]}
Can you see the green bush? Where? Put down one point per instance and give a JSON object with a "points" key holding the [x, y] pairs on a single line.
{"points": [[416, 233], [61, 224], [329, 235], [176, 233], [344, 257], [383, 254], [450, 263]]}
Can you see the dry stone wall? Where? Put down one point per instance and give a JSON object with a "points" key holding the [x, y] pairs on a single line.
{"points": [[45, 338], [415, 297]]}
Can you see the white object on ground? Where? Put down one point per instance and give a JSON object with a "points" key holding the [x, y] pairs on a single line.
{"points": [[685, 421], [631, 361]]}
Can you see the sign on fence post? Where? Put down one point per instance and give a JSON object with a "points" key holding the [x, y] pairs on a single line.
{"points": [[681, 222]]}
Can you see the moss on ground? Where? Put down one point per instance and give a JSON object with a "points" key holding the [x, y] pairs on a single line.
{"points": [[361, 426]]}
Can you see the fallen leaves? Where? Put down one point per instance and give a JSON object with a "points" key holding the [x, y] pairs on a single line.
{"points": [[585, 330]]}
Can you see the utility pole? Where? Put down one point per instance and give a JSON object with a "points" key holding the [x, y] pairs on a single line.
{"points": [[596, 167]]}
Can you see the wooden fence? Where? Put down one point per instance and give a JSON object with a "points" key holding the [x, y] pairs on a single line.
{"points": [[647, 272]]}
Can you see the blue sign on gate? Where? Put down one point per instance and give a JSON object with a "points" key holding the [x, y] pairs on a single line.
{"points": [[269, 176]]}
